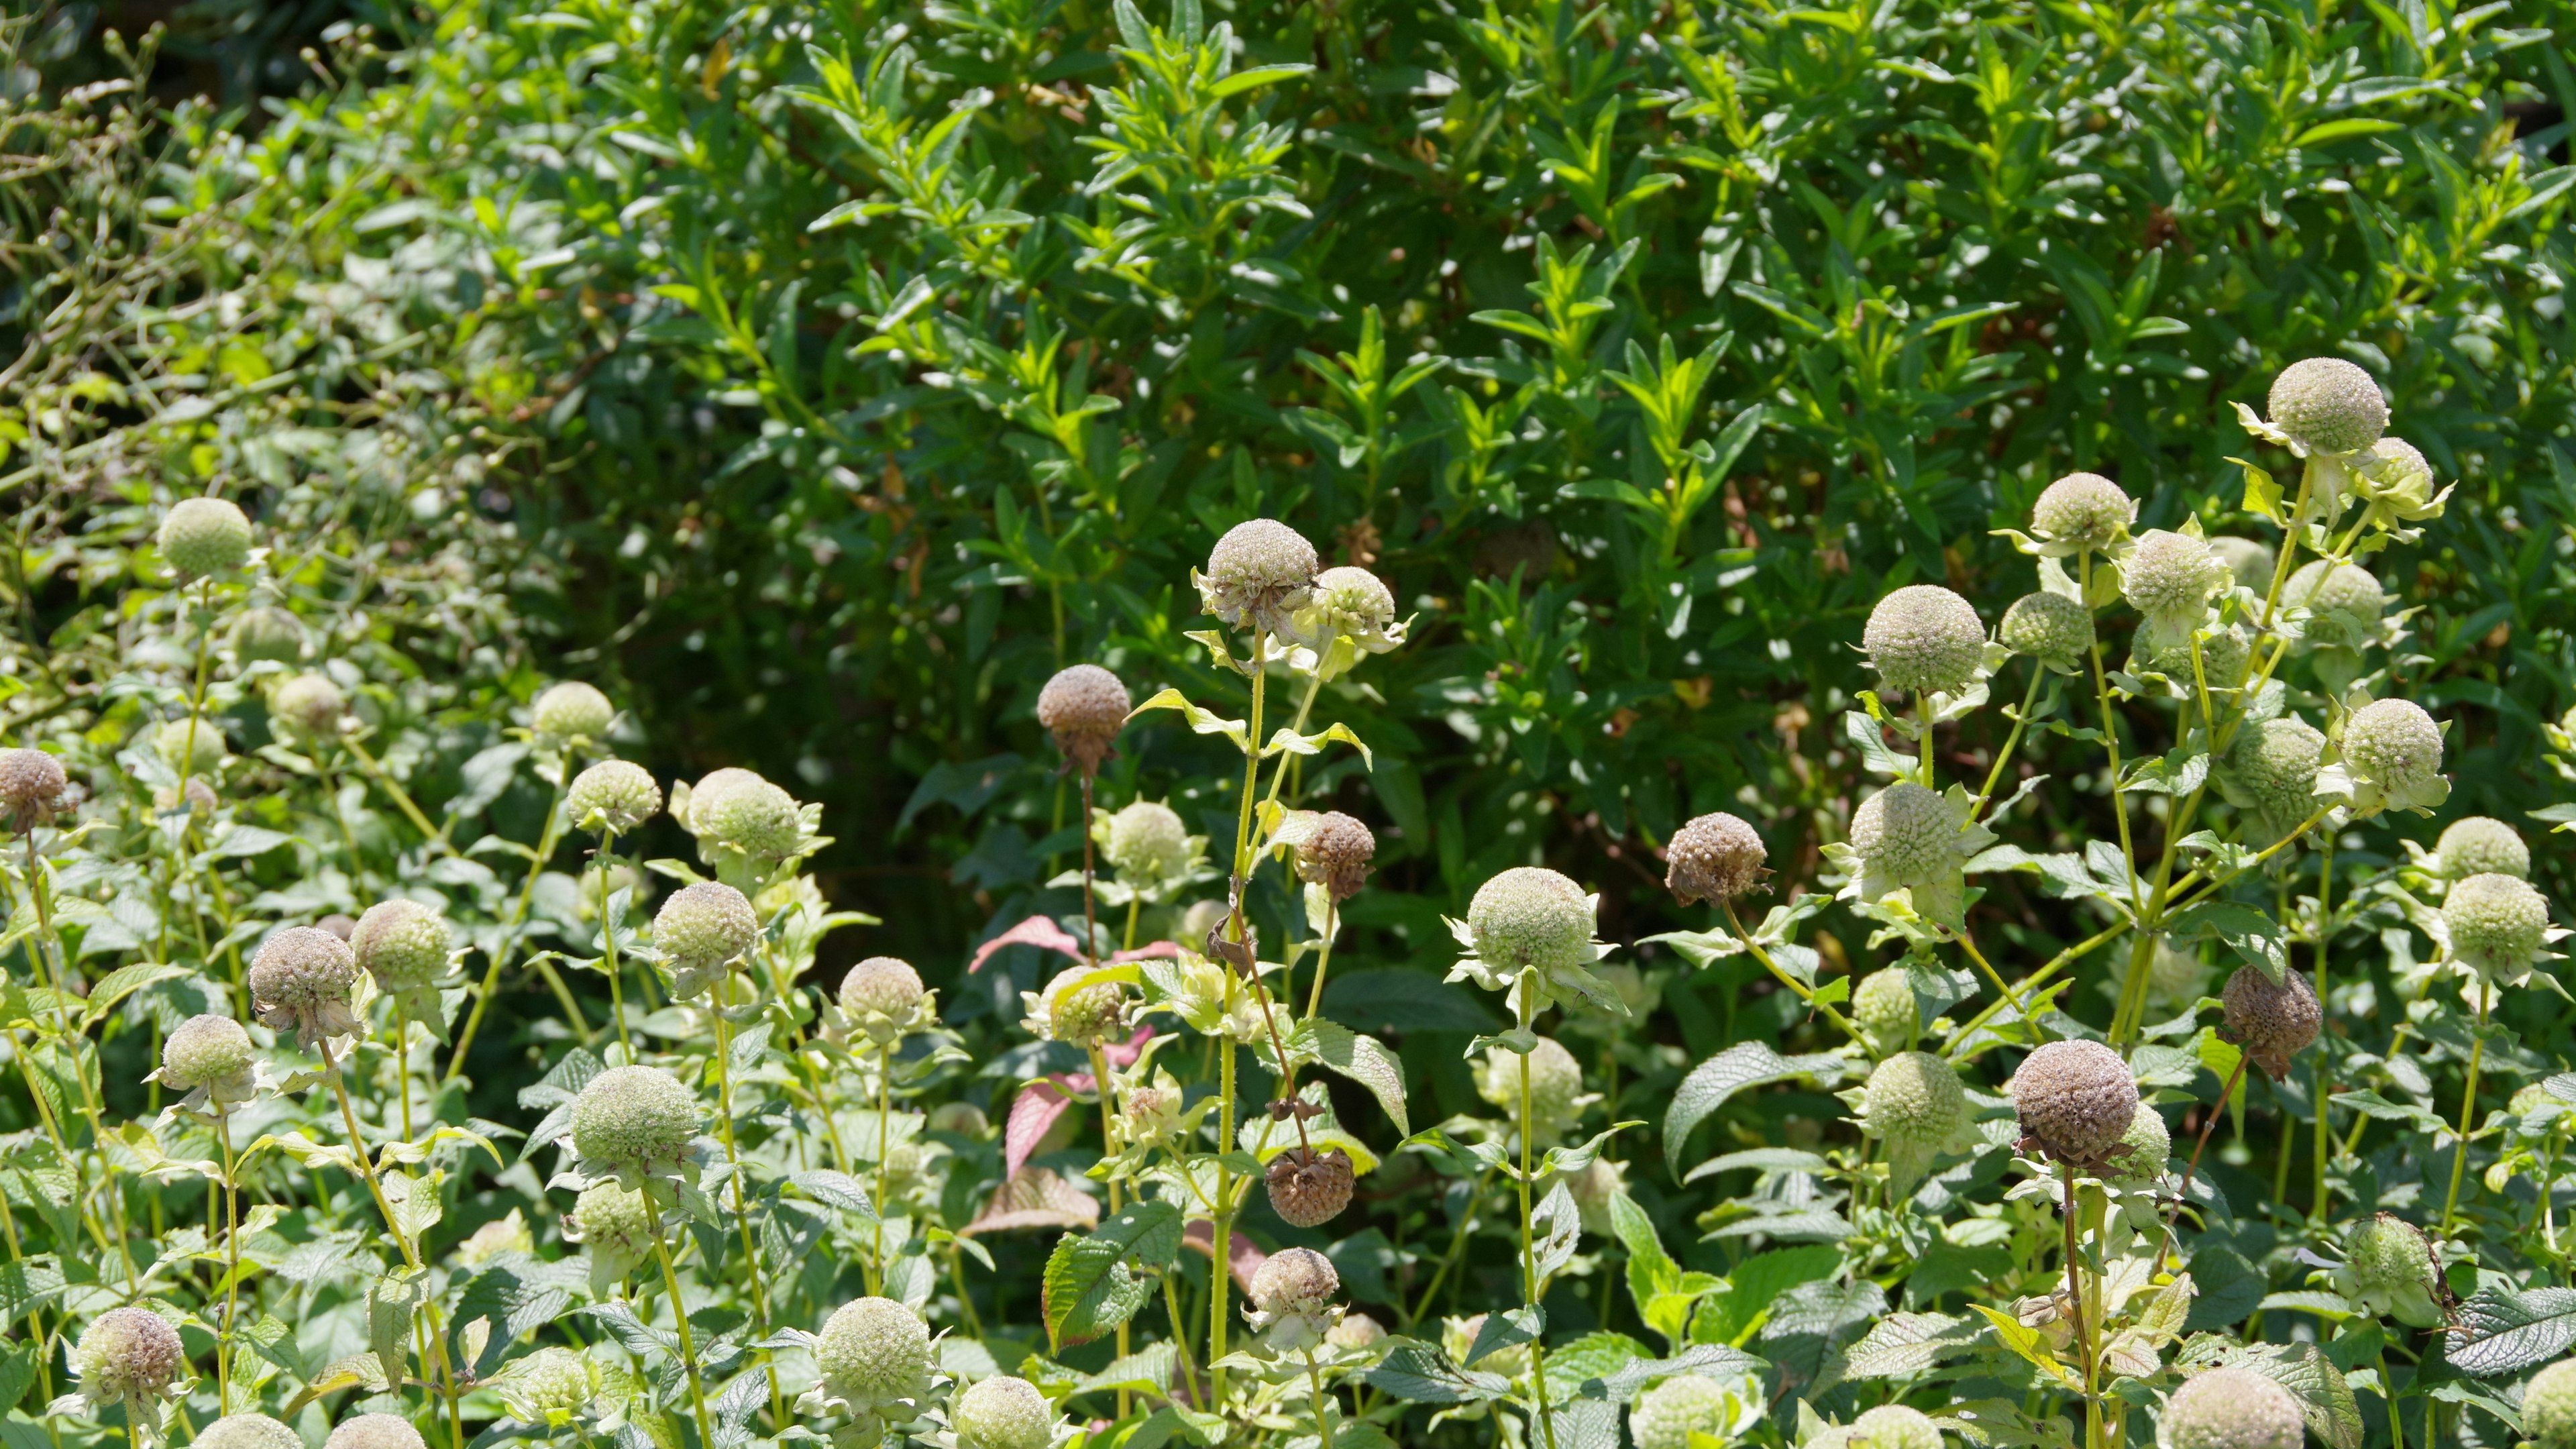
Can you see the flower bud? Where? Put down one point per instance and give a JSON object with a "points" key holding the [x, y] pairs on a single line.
{"points": [[1716, 857], [551, 1386], [1356, 1331], [2075, 1099], [2272, 769], [634, 1122], [2497, 924], [2251, 560], [2145, 1148], [301, 978], [2051, 628], [2482, 845], [2273, 1021], [1889, 1426], [1555, 1085], [2327, 405], [2083, 511], [2170, 578], [1148, 843], [1085, 1016], [874, 1353], [401, 943], [209, 1053], [2388, 1258], [268, 634], [962, 1118], [2344, 603], [202, 537], [1667, 1415], [570, 711], [246, 1431], [1084, 707], [2230, 1408], [375, 1431], [191, 747], [755, 817], [1884, 1009], [2549, 1406], [31, 784], [613, 797], [1915, 1098], [884, 999], [1154, 1113], [307, 707], [1003, 1413], [1530, 916], [1924, 639], [1458, 1339], [1908, 830], [706, 924], [130, 1356], [1336, 856], [1292, 1299], [2395, 750], [1258, 576], [616, 1223]]}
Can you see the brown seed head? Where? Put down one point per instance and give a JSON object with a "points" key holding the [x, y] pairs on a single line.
{"points": [[1337, 855], [2076, 1099], [1308, 1188], [1084, 706], [1716, 857], [2272, 1021]]}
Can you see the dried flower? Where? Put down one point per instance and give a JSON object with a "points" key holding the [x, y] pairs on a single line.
{"points": [[202, 537], [2273, 1020], [2076, 1100], [130, 1357], [2325, 405], [613, 797], [1924, 639], [883, 999], [569, 712], [302, 978], [1336, 855], [2230, 1408], [2082, 511], [1716, 857], [2051, 628], [1309, 1188], [1259, 575], [634, 1123], [1291, 1302], [1084, 706], [31, 784]]}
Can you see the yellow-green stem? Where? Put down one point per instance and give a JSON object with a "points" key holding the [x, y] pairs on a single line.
{"points": [[546, 839], [741, 1205], [680, 1318], [1803, 991], [2468, 1112], [1529, 1246]]}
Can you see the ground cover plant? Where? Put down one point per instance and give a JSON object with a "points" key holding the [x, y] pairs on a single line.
{"points": [[1008, 727]]}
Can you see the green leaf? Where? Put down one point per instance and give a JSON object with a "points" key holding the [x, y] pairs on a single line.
{"points": [[1090, 1288], [1363, 1059], [1745, 1064], [2326, 133], [2028, 1343], [2501, 1331]]}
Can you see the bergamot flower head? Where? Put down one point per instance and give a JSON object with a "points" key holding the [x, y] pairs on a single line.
{"points": [[752, 816], [2481, 845], [1915, 1102], [1356, 1331], [1309, 1188], [1668, 1415], [1912, 838], [2230, 1408], [209, 1057], [1291, 1303], [1002, 1413], [307, 707], [2549, 1406], [874, 1354], [1259, 576], [375, 1431], [1531, 927], [129, 1357], [202, 537], [2498, 927], [571, 711], [2272, 1020], [1084, 1015], [553, 1386], [403, 944], [1716, 857], [882, 999], [700, 931], [2389, 758], [2397, 483], [1350, 614], [1884, 1009], [2344, 604], [267, 634], [2169, 578], [190, 746], [1149, 845], [2224, 653], [2389, 1269], [1336, 854], [616, 1223], [705, 793], [2271, 769], [246, 1431], [1154, 1112], [2325, 405], [2051, 628], [2082, 511], [634, 1124], [1889, 1426], [1555, 1085], [2075, 1099], [2251, 560], [1083, 706], [613, 797], [31, 784], [302, 978], [1924, 639]]}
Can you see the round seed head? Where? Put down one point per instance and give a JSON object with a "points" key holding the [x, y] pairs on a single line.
{"points": [[614, 797], [2327, 405], [266, 633], [2497, 924], [307, 707], [1894, 1426], [2075, 1099], [1295, 1280], [1665, 1416], [634, 1121], [874, 1352], [2250, 559], [615, 1222], [375, 1431], [1530, 916], [128, 1355], [2272, 1021], [2230, 1408], [2274, 765], [1909, 830], [550, 1384], [1084, 707], [754, 817], [401, 943], [31, 783], [1003, 1413], [1924, 639], [201, 537], [881, 984], [2048, 627], [2169, 577], [1555, 1085], [2387, 1255], [2549, 1406], [2482, 845], [1716, 857], [1085, 1016], [1148, 842], [196, 749], [246, 1431], [1356, 1331], [2145, 1147], [1336, 856], [207, 1051], [301, 978], [2395, 744], [1914, 1098], [571, 710], [707, 924], [1309, 1188], [344, 927], [2344, 601], [2083, 510], [1884, 1010], [1259, 575]]}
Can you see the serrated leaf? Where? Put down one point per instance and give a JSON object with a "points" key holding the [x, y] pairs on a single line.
{"points": [[2500, 1331], [1745, 1064], [1089, 1287], [1363, 1059]]}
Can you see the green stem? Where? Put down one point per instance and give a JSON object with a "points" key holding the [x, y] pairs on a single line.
{"points": [[1529, 1247], [546, 839], [741, 1206], [2075, 1306], [2325, 1006], [1323, 1401], [2110, 734], [680, 1317], [600, 861], [885, 1124], [1804, 993], [2012, 740], [431, 835], [1221, 1215], [1323, 957], [2468, 1112]]}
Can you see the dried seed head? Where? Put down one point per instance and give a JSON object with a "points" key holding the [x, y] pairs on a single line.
{"points": [[634, 1121], [209, 1052], [1924, 639], [2083, 510], [2344, 603], [1356, 1331], [2273, 767], [1003, 1413], [2482, 845], [2144, 1148], [128, 1356], [246, 1431], [344, 927], [1084, 706], [1914, 1098], [2273, 1021], [2497, 924], [2075, 1098], [31, 784], [613, 797], [2051, 628], [307, 707], [1258, 576], [1908, 830], [401, 943], [1148, 843], [1716, 857], [874, 1353], [1309, 1188], [571, 710], [2327, 405], [1884, 1010], [1667, 1415], [705, 925], [191, 747], [1555, 1085], [2395, 745], [752, 816], [2549, 1406], [302, 978], [271, 634], [2250, 559], [201, 537], [1530, 916], [1336, 856], [2170, 578], [2230, 1408], [375, 1431]]}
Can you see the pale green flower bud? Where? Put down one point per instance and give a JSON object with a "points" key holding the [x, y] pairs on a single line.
{"points": [[271, 634], [569, 711], [1907, 828], [375, 1431], [755, 817], [1356, 1331], [1458, 1339], [307, 707], [246, 1431], [706, 924], [1555, 1083], [2394, 750], [401, 943], [1889, 1426], [211, 1054], [1916, 1099], [2083, 511], [1148, 843], [2327, 405], [874, 1353], [1084, 1016], [551, 1386], [1924, 639], [2230, 1408], [615, 1223], [634, 1122], [2549, 1406], [1884, 1010], [2482, 845], [2344, 603], [2272, 769], [2251, 560], [2389, 1269], [1665, 1416], [191, 747], [613, 797], [2170, 578], [201, 537], [2498, 925], [1003, 1413], [1530, 916], [884, 999], [2051, 628], [2144, 1148]]}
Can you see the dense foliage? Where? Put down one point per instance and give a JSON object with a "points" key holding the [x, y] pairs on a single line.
{"points": [[819, 383]]}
